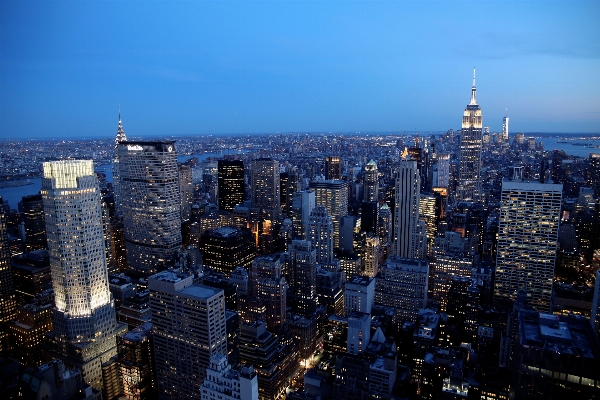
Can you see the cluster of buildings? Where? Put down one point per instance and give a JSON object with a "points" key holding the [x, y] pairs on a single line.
{"points": [[457, 267]]}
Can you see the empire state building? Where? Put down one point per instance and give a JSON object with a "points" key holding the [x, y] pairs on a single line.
{"points": [[469, 188]]}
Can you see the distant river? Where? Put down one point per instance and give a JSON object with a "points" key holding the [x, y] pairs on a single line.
{"points": [[580, 151], [13, 195]]}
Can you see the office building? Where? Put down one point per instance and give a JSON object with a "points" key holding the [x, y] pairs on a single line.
{"points": [[226, 248], [31, 275], [267, 291], [371, 182], [371, 256], [189, 328], [33, 219], [289, 185], [303, 277], [120, 137], [446, 267], [333, 168], [402, 285], [225, 383], [409, 239], [84, 319], [359, 294], [527, 240], [469, 181], [303, 202], [150, 203], [593, 176], [231, 183], [333, 195], [273, 358], [320, 232], [555, 357], [505, 129], [264, 174], [186, 191], [136, 363], [28, 332], [7, 292]]}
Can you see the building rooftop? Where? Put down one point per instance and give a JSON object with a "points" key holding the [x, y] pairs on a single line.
{"points": [[200, 291], [138, 333], [169, 276]]}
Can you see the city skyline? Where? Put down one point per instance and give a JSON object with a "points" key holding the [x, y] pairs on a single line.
{"points": [[236, 68]]}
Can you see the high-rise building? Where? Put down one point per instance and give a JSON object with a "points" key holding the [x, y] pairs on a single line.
{"points": [[226, 248], [333, 195], [35, 226], [189, 328], [505, 129], [121, 137], [7, 292], [320, 232], [231, 182], [409, 241], [289, 185], [264, 174], [84, 318], [31, 275], [358, 295], [470, 151], [136, 361], [371, 182], [149, 185], [267, 285], [527, 240], [303, 277], [224, 383], [186, 191], [28, 332], [371, 256], [333, 168], [303, 203], [402, 285], [595, 316], [593, 177]]}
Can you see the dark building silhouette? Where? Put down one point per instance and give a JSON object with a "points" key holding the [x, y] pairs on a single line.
{"points": [[231, 183], [35, 225], [226, 248]]}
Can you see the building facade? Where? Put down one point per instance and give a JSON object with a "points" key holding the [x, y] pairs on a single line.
{"points": [[150, 203]]}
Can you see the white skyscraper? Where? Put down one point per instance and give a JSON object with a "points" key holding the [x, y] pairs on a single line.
{"points": [[471, 143], [84, 316], [505, 129], [303, 203], [527, 240], [409, 232]]}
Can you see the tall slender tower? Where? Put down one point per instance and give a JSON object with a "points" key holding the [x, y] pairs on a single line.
{"points": [[116, 174], [408, 242], [371, 182], [149, 179], [265, 183], [84, 315], [470, 151], [527, 240], [320, 231], [7, 293], [505, 128]]}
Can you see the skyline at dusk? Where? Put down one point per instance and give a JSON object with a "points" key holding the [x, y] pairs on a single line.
{"points": [[196, 68]]}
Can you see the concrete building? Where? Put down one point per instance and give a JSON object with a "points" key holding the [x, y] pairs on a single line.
{"points": [[225, 383], [189, 328]]}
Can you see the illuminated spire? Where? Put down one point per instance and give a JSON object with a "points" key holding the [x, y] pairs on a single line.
{"points": [[473, 90], [120, 132]]}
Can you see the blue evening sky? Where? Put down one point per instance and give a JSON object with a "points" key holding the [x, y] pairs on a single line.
{"points": [[179, 68]]}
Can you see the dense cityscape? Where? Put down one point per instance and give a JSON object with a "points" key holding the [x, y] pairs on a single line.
{"points": [[411, 265]]}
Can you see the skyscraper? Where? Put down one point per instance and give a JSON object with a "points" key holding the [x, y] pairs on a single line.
{"points": [[84, 315], [470, 151], [35, 226], [527, 240], [593, 176], [265, 183], [303, 203], [333, 195], [303, 277], [408, 235], [116, 173], [189, 328], [505, 129], [333, 168], [371, 182], [7, 292], [149, 185], [320, 228], [232, 186]]}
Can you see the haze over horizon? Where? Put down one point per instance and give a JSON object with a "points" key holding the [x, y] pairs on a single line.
{"points": [[193, 68]]}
